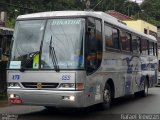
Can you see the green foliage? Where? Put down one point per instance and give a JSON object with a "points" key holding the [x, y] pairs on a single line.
{"points": [[3, 96], [130, 8], [10, 23], [149, 9]]}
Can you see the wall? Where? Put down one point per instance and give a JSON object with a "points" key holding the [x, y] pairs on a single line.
{"points": [[140, 25]]}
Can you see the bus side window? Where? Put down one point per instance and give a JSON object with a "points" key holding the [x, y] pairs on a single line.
{"points": [[93, 45], [111, 37], [125, 41], [159, 65], [136, 44], [144, 47], [155, 49], [151, 48]]}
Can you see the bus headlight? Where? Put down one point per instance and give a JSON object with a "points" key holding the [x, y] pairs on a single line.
{"points": [[67, 85], [77, 86], [13, 85], [69, 98]]}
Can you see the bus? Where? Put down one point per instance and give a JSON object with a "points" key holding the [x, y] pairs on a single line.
{"points": [[77, 59]]}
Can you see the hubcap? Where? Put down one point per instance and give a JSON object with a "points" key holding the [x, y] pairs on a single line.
{"points": [[107, 96]]}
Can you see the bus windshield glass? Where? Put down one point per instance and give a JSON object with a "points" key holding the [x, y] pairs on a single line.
{"points": [[27, 39], [63, 44], [61, 40]]}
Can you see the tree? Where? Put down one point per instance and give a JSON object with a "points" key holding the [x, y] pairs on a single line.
{"points": [[130, 8], [108, 5], [151, 9]]}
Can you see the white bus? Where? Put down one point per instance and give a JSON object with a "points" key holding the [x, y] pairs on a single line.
{"points": [[78, 59]]}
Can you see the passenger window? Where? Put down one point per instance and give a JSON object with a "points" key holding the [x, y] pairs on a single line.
{"points": [[108, 36], [151, 48], [144, 47], [115, 36], [125, 41], [155, 49], [99, 42], [111, 37], [136, 44], [93, 45]]}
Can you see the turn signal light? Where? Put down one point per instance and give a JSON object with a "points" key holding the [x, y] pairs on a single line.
{"points": [[79, 86]]}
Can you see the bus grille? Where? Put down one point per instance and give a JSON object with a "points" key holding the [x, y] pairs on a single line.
{"points": [[43, 85]]}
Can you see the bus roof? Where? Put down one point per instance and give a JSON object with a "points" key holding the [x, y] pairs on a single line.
{"points": [[104, 16]]}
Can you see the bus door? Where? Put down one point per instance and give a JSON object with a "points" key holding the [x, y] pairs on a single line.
{"points": [[93, 58]]}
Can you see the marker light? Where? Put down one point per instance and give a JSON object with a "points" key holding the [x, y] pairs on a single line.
{"points": [[79, 86]]}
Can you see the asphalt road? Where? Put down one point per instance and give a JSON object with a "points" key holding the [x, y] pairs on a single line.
{"points": [[129, 105]]}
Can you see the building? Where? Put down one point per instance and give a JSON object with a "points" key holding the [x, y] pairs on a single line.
{"points": [[138, 25], [142, 26], [118, 15]]}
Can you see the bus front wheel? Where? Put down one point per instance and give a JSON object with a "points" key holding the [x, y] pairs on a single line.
{"points": [[107, 97]]}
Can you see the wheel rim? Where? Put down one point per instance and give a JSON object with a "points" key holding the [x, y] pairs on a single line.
{"points": [[107, 96]]}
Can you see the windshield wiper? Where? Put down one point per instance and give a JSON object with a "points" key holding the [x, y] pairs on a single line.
{"points": [[52, 54], [28, 61]]}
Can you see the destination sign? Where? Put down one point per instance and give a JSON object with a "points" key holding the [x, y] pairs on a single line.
{"points": [[66, 22]]}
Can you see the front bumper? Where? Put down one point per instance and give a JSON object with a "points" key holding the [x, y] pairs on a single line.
{"points": [[49, 98]]}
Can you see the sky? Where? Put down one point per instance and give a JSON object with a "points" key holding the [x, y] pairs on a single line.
{"points": [[138, 1]]}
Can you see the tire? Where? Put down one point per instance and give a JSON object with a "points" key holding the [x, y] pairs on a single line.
{"points": [[144, 92], [107, 98]]}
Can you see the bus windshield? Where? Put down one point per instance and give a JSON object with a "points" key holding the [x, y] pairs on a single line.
{"points": [[66, 37], [61, 41]]}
